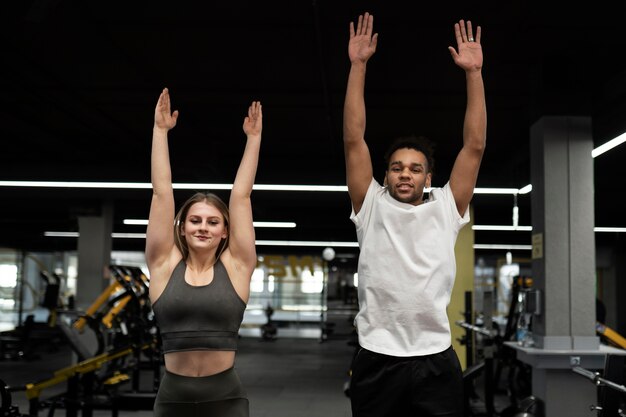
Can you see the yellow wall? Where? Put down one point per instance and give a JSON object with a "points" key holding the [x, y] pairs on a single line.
{"points": [[464, 251]]}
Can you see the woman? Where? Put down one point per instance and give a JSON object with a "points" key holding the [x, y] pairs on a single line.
{"points": [[200, 272]]}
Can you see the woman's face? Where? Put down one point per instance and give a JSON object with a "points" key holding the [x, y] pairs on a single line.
{"points": [[204, 226]]}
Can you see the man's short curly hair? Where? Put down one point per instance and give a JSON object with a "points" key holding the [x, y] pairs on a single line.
{"points": [[419, 143]]}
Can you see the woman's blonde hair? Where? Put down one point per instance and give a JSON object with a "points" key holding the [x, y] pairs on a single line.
{"points": [[181, 216]]}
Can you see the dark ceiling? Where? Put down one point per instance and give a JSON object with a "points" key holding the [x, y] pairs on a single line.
{"points": [[80, 81]]}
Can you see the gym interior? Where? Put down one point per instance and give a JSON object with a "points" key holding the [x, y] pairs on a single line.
{"points": [[535, 314]]}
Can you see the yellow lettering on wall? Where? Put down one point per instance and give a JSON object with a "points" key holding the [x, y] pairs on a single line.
{"points": [[275, 265], [302, 263], [289, 266]]}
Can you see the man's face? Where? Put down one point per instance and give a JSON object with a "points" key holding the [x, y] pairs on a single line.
{"points": [[407, 175]]}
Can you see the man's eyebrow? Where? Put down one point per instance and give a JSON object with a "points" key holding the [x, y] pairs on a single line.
{"points": [[418, 164]]}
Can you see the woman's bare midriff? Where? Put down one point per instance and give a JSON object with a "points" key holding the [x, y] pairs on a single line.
{"points": [[199, 362]]}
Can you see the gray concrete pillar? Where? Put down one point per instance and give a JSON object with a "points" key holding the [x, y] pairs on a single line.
{"points": [[94, 255], [563, 236], [563, 265]]}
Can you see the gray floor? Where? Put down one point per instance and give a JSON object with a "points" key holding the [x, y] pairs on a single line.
{"points": [[297, 377], [286, 377]]}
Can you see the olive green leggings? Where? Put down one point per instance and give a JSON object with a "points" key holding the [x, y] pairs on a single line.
{"points": [[219, 395]]}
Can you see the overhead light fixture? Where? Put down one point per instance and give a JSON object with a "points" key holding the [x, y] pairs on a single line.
{"points": [[609, 145], [596, 152], [190, 186], [481, 190], [113, 235], [136, 222], [75, 184], [128, 235], [276, 225], [299, 243], [176, 186], [503, 228], [270, 187], [284, 187], [61, 234], [610, 229], [307, 243], [479, 246]]}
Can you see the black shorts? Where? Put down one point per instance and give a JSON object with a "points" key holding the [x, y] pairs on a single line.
{"points": [[219, 395], [390, 386]]}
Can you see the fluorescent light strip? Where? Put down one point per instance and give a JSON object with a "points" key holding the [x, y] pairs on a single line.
{"points": [[530, 228], [136, 222], [609, 145], [307, 243], [258, 242], [75, 184], [304, 243], [113, 235], [503, 228], [176, 186], [60, 234], [128, 235], [480, 190], [281, 187], [298, 243], [503, 247], [610, 229], [276, 225], [271, 187], [189, 186]]}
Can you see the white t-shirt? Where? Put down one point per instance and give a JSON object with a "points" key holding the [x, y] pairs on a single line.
{"points": [[406, 271]]}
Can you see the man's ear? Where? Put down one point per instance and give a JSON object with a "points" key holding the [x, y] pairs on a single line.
{"points": [[385, 181], [429, 178]]}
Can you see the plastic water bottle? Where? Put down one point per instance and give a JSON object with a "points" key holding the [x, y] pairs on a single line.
{"points": [[522, 330], [523, 334]]}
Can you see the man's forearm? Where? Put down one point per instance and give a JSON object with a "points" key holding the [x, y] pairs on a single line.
{"points": [[354, 106], [475, 124]]}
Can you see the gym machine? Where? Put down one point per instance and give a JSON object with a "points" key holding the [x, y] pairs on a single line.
{"points": [[127, 342]]}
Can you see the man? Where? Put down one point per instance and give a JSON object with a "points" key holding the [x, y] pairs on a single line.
{"points": [[406, 365]]}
